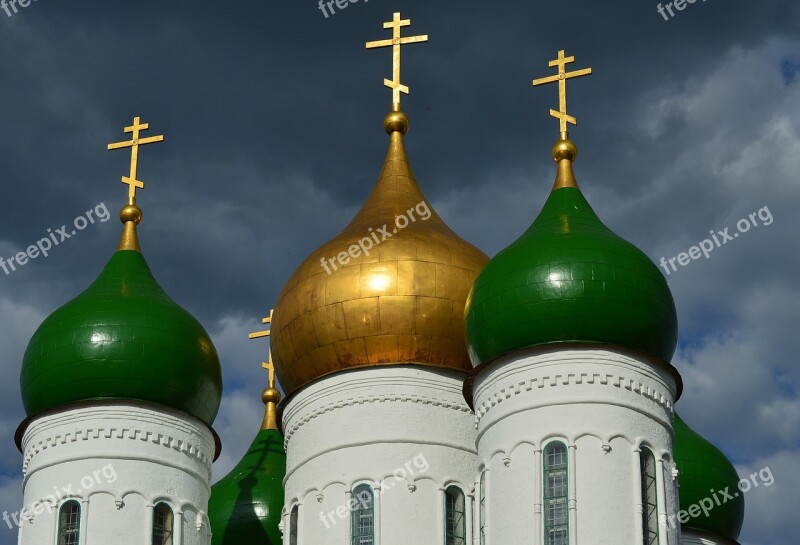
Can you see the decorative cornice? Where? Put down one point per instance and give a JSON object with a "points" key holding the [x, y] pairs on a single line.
{"points": [[129, 432], [459, 406], [567, 379]]}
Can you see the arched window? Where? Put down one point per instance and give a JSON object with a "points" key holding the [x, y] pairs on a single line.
{"points": [[293, 525], [455, 531], [163, 521], [647, 464], [69, 523], [556, 495], [362, 516], [482, 508]]}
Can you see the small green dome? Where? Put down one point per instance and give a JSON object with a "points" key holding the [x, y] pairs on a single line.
{"points": [[122, 338], [703, 468], [245, 506], [569, 278]]}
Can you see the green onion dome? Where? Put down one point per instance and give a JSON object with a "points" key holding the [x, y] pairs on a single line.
{"points": [[245, 505], [122, 339], [703, 470], [569, 278]]}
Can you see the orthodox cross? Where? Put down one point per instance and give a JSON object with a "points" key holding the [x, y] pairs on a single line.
{"points": [[268, 364], [561, 62], [396, 24], [134, 144]]}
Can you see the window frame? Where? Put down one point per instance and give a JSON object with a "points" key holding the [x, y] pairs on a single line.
{"points": [[482, 508], [553, 469], [74, 528], [167, 534], [294, 518], [451, 537], [650, 508], [357, 510]]}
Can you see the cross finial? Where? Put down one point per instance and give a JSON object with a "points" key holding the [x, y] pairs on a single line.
{"points": [[134, 144], [257, 335], [396, 24], [561, 62]]}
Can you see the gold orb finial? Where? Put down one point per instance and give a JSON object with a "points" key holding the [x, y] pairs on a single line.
{"points": [[564, 154], [130, 212], [270, 395], [130, 216], [396, 122], [565, 149]]}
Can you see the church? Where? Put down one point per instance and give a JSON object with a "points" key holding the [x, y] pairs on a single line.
{"points": [[428, 394]]}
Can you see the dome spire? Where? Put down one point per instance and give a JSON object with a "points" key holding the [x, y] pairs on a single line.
{"points": [[564, 150], [131, 215], [270, 396]]}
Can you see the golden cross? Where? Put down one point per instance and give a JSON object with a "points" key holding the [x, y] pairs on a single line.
{"points": [[396, 42], [562, 78], [134, 144], [257, 335]]}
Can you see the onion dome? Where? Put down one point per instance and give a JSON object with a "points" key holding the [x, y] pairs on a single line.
{"points": [[245, 505], [389, 289], [703, 470], [569, 278], [123, 338]]}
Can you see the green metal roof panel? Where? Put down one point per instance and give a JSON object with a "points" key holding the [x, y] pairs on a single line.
{"points": [[122, 338], [703, 468], [569, 278], [245, 506]]}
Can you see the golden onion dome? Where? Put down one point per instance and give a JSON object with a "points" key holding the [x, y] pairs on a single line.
{"points": [[390, 289]]}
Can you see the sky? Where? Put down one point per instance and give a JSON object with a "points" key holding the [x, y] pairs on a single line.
{"points": [[273, 114]]}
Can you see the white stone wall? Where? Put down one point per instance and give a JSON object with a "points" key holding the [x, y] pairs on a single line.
{"points": [[118, 460], [405, 430], [603, 405]]}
